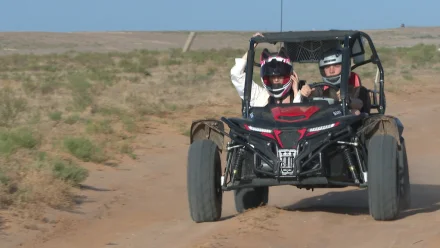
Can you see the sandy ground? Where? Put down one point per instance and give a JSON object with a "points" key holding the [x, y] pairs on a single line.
{"points": [[144, 203]]}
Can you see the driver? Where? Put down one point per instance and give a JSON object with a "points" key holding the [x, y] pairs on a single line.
{"points": [[280, 81], [330, 67]]}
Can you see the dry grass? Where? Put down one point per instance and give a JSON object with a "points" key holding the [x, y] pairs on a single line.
{"points": [[58, 111]]}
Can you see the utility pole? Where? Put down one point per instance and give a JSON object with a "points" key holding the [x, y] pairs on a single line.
{"points": [[281, 22], [281, 25]]}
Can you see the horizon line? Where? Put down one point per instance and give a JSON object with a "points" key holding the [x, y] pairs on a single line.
{"points": [[205, 31]]}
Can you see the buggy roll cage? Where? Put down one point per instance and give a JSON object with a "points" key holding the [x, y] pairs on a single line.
{"points": [[307, 47]]}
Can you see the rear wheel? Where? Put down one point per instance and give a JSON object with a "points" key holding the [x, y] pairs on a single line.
{"points": [[383, 179], [247, 198], [203, 181]]}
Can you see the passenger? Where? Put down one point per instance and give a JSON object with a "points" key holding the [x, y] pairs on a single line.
{"points": [[280, 81]]}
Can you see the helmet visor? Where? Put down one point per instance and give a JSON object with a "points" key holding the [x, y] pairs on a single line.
{"points": [[275, 67]]}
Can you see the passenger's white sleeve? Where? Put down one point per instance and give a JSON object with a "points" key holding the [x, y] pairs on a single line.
{"points": [[259, 96], [297, 98]]}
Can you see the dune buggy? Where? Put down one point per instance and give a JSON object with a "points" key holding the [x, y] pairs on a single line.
{"points": [[313, 144]]}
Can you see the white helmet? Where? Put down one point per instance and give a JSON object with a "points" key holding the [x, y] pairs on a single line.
{"points": [[331, 57]]}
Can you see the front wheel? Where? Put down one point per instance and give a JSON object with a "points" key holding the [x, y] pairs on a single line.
{"points": [[405, 185], [203, 181], [383, 179]]}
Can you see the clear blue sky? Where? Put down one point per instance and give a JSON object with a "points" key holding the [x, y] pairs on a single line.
{"points": [[198, 15]]}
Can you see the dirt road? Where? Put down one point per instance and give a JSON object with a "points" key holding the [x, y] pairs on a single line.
{"points": [[144, 204]]}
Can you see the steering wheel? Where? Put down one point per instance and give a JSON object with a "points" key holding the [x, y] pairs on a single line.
{"points": [[330, 100], [320, 84]]}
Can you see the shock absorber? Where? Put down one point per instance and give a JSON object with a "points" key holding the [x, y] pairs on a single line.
{"points": [[350, 163], [238, 164]]}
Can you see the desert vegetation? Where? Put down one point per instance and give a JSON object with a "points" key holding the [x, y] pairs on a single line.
{"points": [[61, 112]]}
